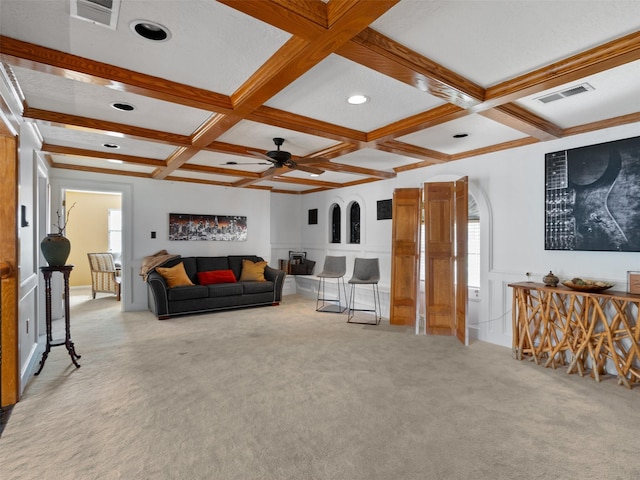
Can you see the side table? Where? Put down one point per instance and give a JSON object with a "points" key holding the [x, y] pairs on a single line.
{"points": [[47, 272]]}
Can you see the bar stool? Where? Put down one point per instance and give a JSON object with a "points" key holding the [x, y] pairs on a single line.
{"points": [[366, 271], [334, 267]]}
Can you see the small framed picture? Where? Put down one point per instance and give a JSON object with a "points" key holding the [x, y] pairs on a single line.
{"points": [[313, 216], [633, 282]]}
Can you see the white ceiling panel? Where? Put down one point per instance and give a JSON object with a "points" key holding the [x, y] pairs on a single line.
{"points": [[219, 57], [58, 94], [260, 136], [492, 41], [615, 92], [374, 159], [79, 138], [482, 132], [102, 164], [328, 176], [205, 176], [284, 186], [221, 160], [322, 93]]}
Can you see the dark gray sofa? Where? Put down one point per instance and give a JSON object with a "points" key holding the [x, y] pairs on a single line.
{"points": [[166, 302]]}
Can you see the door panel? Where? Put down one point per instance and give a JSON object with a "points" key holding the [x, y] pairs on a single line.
{"points": [[9, 288], [439, 249], [405, 256], [446, 211], [462, 290]]}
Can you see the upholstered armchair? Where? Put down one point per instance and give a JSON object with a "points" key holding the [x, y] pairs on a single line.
{"points": [[104, 277]]}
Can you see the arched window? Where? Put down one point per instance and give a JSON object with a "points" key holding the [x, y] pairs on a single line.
{"points": [[335, 223], [354, 223]]}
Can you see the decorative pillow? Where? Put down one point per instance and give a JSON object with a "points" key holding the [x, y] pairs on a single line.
{"points": [[175, 276], [216, 276], [253, 271]]}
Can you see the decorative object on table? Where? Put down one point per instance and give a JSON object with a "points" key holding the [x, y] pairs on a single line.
{"points": [[550, 280], [587, 202], [583, 285], [56, 247], [185, 226], [633, 282]]}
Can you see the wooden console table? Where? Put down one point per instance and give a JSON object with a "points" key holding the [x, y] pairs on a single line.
{"points": [[584, 331], [47, 272]]}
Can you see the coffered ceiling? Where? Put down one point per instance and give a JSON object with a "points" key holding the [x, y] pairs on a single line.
{"points": [[444, 79]]}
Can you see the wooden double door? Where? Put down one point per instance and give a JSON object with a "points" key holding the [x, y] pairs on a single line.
{"points": [[444, 212]]}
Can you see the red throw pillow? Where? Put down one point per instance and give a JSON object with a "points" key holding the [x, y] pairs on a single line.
{"points": [[216, 276]]}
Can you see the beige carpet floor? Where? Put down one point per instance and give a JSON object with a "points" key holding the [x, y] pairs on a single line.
{"points": [[284, 392]]}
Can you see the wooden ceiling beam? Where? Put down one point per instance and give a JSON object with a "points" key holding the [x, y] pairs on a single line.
{"points": [[299, 123], [55, 62], [82, 152], [413, 151], [380, 53], [109, 128], [590, 62], [518, 118], [435, 116]]}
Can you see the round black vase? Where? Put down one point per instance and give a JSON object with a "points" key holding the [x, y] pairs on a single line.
{"points": [[55, 249]]}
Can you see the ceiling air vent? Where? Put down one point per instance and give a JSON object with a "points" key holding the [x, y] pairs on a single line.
{"points": [[569, 92], [99, 12]]}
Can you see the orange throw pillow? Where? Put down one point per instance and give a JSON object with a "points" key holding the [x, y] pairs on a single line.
{"points": [[175, 276], [253, 271]]}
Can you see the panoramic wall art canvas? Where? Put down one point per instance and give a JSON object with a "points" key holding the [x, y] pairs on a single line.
{"points": [[592, 197], [184, 226]]}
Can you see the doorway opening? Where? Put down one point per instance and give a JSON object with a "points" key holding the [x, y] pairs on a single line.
{"points": [[95, 226]]}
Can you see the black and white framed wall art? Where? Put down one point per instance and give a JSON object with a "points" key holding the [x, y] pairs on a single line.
{"points": [[185, 226], [592, 197]]}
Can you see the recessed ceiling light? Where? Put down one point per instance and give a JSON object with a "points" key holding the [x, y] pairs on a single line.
{"points": [[314, 174], [357, 99], [110, 145], [150, 30], [114, 161], [460, 135], [125, 107]]}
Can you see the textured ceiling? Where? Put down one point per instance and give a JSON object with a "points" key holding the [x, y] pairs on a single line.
{"points": [[235, 74]]}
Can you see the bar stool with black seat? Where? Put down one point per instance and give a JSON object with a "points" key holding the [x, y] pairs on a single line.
{"points": [[366, 271], [334, 267]]}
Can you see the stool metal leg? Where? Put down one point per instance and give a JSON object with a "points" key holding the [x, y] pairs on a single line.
{"points": [[336, 303], [377, 309]]}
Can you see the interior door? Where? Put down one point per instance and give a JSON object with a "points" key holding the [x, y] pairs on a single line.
{"points": [[446, 212], [405, 256], [461, 225], [9, 363]]}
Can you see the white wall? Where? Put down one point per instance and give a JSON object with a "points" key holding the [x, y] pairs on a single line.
{"points": [[509, 188], [146, 206]]}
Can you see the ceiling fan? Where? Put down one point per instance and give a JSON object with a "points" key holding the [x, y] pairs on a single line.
{"points": [[280, 158]]}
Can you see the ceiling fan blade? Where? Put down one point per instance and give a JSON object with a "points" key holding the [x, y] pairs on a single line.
{"points": [[246, 163], [262, 155], [304, 168], [302, 161], [270, 172]]}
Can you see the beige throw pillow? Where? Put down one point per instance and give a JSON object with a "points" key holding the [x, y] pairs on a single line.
{"points": [[253, 271]]}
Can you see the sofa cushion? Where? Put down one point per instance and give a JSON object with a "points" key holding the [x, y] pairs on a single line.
{"points": [[175, 276], [206, 264], [216, 276], [257, 287], [187, 292], [235, 262], [224, 290], [252, 271]]}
